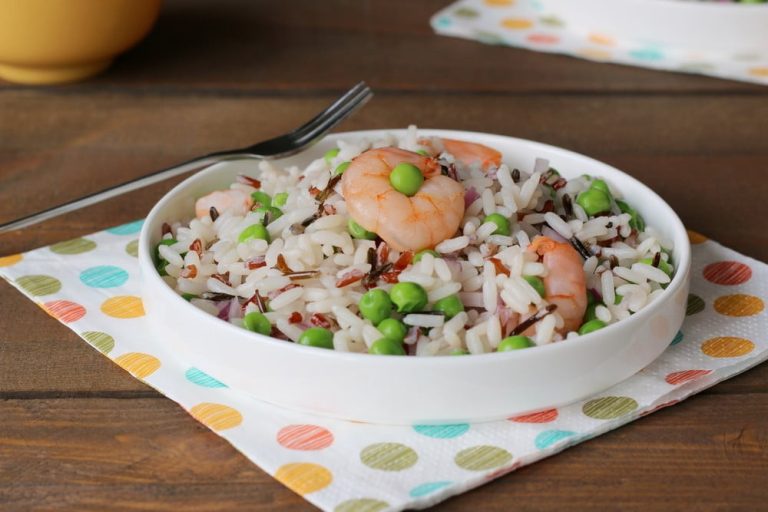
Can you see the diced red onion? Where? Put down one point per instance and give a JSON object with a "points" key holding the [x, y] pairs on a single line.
{"points": [[551, 233], [470, 196]]}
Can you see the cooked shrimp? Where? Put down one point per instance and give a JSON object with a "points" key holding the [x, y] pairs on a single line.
{"points": [[405, 223], [564, 284], [469, 152], [237, 201]]}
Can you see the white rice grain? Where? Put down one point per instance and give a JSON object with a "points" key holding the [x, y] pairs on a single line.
{"points": [[558, 224], [545, 330], [651, 272], [606, 287], [452, 244], [286, 298], [419, 320], [444, 291]]}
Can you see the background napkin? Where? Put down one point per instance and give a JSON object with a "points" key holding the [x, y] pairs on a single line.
{"points": [[92, 285], [527, 24]]}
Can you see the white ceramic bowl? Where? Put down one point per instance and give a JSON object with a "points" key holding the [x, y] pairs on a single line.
{"points": [[403, 390], [709, 27]]}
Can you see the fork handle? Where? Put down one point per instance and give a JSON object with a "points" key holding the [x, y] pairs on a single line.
{"points": [[123, 188]]}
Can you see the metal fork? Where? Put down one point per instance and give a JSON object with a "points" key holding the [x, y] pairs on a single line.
{"points": [[282, 146]]}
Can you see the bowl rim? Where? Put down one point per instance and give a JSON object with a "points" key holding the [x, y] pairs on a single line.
{"points": [[150, 276], [683, 5]]}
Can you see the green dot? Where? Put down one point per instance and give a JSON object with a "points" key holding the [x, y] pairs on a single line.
{"points": [[466, 12], [695, 305], [361, 505], [257, 322], [132, 248], [387, 347], [502, 224], [317, 337], [481, 458], [254, 232], [388, 456], [393, 329], [342, 167], [449, 306], [280, 199], [75, 246], [537, 283], [406, 178], [594, 201], [331, 154], [515, 343], [38, 285], [358, 231], [261, 199], [100, 340], [591, 326], [609, 407], [417, 257]]}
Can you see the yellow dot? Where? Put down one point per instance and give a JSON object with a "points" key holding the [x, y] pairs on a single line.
{"points": [[138, 364], [727, 346], [216, 416], [499, 3], [7, 261], [595, 54], [516, 23], [602, 40], [123, 306], [304, 477], [696, 238], [739, 305], [761, 72]]}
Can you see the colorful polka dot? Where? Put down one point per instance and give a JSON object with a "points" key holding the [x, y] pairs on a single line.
{"points": [[727, 346], [443, 21], [132, 248], [499, 3], [442, 431], [361, 505], [304, 477], [388, 456], [516, 23], [595, 54], [38, 285], [7, 261], [739, 305], [217, 417], [123, 306], [695, 237], [104, 276], [199, 377], [428, 488], [127, 229], [75, 246], [552, 21], [549, 437], [676, 378], [602, 40], [677, 339], [537, 417], [488, 37], [647, 54], [482, 457], [100, 340], [760, 72], [65, 311], [609, 407], [543, 39], [694, 305], [696, 67], [304, 437], [727, 273], [138, 364], [466, 12]]}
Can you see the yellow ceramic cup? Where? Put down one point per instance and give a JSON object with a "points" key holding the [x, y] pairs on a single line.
{"points": [[56, 41]]}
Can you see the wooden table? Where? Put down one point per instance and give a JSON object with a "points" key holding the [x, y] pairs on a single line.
{"points": [[76, 432]]}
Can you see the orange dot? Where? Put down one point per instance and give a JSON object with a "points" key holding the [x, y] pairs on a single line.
{"points": [[727, 346], [7, 261], [543, 39], [216, 416], [727, 273], [516, 23], [499, 3], [760, 72], [595, 54], [64, 310], [739, 305], [676, 378], [123, 306], [695, 237], [304, 477], [138, 364], [602, 40], [304, 437], [537, 417]]}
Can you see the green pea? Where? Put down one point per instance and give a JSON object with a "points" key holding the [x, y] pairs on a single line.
{"points": [[341, 167], [459, 352], [591, 326], [594, 201], [590, 313], [408, 297], [393, 329], [423, 152], [161, 262], [590, 297], [617, 299], [417, 257], [358, 231], [515, 343], [254, 232], [375, 305], [537, 283], [280, 199], [317, 337], [663, 265], [188, 296], [502, 223], [269, 213], [636, 221], [261, 199], [406, 178], [257, 322], [449, 306], [600, 185], [387, 347], [331, 154]]}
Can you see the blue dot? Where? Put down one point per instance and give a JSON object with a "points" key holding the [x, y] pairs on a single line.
{"points": [[550, 437], [104, 276], [201, 378], [443, 21], [677, 339], [127, 229], [649, 54], [442, 431], [428, 488]]}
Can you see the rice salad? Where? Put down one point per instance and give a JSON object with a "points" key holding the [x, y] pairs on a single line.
{"points": [[416, 245]]}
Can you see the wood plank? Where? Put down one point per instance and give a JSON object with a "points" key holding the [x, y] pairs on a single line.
{"points": [[259, 47], [149, 455]]}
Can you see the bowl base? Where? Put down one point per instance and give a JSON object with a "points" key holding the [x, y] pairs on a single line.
{"points": [[40, 75]]}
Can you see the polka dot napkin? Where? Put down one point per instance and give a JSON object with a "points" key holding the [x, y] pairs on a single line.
{"points": [[529, 24], [91, 284]]}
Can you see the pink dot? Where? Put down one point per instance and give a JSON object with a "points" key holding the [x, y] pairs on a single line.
{"points": [[304, 437], [727, 272], [676, 378], [543, 39], [537, 417], [65, 311]]}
